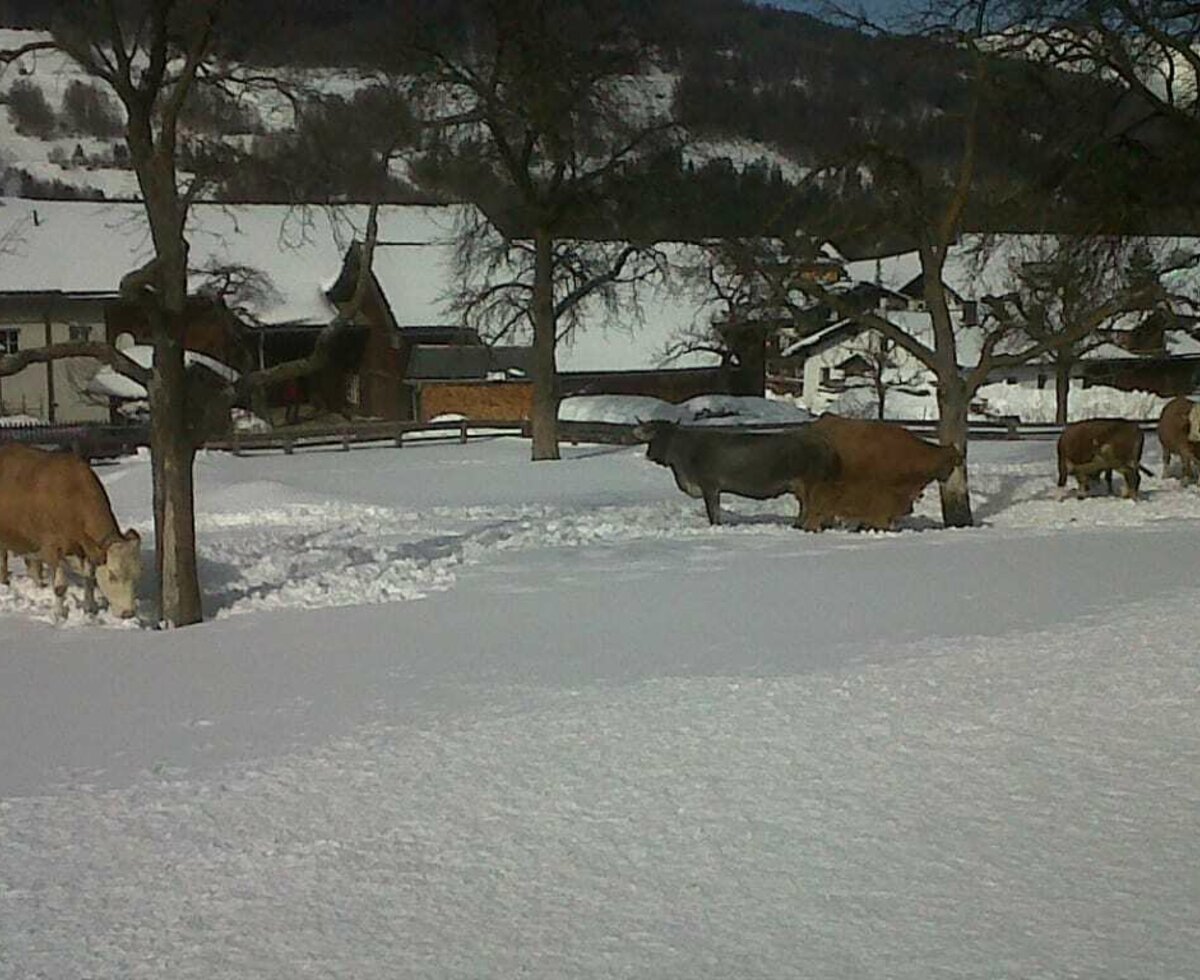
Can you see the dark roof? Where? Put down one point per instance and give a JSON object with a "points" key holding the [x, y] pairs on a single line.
{"points": [[462, 336], [443, 362]]}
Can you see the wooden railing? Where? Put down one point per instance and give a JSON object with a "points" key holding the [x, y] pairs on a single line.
{"points": [[353, 433], [90, 440]]}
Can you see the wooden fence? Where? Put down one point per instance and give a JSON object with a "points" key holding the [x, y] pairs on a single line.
{"points": [[354, 433], [103, 441], [90, 440]]}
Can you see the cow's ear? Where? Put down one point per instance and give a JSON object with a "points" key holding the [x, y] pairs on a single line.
{"points": [[132, 535]]}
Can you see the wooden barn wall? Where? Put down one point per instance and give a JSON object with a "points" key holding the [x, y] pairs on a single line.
{"points": [[499, 401]]}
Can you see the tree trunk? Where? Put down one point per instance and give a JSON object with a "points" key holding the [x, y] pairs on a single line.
{"points": [[172, 457], [544, 412], [954, 403], [750, 375], [1062, 390]]}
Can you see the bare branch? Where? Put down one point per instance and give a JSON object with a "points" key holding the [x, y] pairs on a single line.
{"points": [[12, 363]]}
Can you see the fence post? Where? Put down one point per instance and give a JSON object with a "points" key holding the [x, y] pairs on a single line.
{"points": [[345, 440], [462, 432], [288, 445], [399, 438]]}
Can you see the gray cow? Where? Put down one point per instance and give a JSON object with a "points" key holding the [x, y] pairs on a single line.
{"points": [[760, 465]]}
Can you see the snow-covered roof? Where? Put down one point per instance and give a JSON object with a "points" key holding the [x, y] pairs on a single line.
{"points": [[416, 278], [85, 247], [973, 271]]}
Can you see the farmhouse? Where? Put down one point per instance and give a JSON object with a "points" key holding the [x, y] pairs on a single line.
{"points": [[1136, 351], [266, 279], [256, 288]]}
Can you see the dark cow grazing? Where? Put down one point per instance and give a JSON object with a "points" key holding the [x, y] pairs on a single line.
{"points": [[760, 465], [1179, 434], [1094, 446], [54, 512], [884, 469]]}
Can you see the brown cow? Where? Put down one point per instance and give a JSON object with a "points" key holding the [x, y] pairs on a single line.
{"points": [[884, 468], [1094, 446], [1179, 433], [54, 511]]}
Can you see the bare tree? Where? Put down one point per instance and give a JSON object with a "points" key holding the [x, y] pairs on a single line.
{"points": [[151, 54], [1056, 280], [748, 292], [885, 368], [534, 117], [1151, 46], [497, 279]]}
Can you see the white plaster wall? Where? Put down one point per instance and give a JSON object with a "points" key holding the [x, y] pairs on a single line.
{"points": [[27, 392]]}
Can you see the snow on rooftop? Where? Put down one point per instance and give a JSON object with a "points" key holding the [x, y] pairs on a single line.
{"points": [[85, 247], [417, 279]]}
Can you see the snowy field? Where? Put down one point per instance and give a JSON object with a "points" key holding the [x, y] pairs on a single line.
{"points": [[458, 715]]}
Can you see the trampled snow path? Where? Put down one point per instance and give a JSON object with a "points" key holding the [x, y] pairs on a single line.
{"points": [[612, 741]]}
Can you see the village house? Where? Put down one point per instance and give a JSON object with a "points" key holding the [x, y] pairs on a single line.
{"points": [[1146, 351]]}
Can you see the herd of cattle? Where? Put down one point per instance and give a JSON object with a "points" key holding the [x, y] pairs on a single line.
{"points": [[55, 513], [867, 474]]}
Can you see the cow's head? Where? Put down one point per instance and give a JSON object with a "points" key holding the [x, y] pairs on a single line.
{"points": [[657, 434], [118, 576], [950, 460]]}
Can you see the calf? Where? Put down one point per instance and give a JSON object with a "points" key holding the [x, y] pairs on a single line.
{"points": [[1179, 433], [54, 511], [707, 463], [883, 470], [1094, 446]]}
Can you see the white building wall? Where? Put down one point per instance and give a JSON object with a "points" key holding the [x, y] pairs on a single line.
{"points": [[816, 398], [28, 391]]}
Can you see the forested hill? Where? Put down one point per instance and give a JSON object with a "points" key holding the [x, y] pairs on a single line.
{"points": [[788, 91]]}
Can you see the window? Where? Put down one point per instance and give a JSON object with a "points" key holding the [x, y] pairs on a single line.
{"points": [[79, 332], [9, 340]]}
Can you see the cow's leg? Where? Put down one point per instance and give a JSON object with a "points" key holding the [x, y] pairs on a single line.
{"points": [[3, 566], [712, 505], [798, 490], [37, 570], [1108, 479], [59, 569], [1133, 480], [89, 588]]}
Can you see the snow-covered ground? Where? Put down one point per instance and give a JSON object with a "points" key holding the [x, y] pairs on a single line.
{"points": [[455, 714], [1026, 403]]}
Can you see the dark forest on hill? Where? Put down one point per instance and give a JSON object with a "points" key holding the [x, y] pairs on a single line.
{"points": [[815, 92]]}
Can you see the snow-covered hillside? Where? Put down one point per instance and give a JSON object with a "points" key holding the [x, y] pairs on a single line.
{"points": [[54, 159], [457, 714]]}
